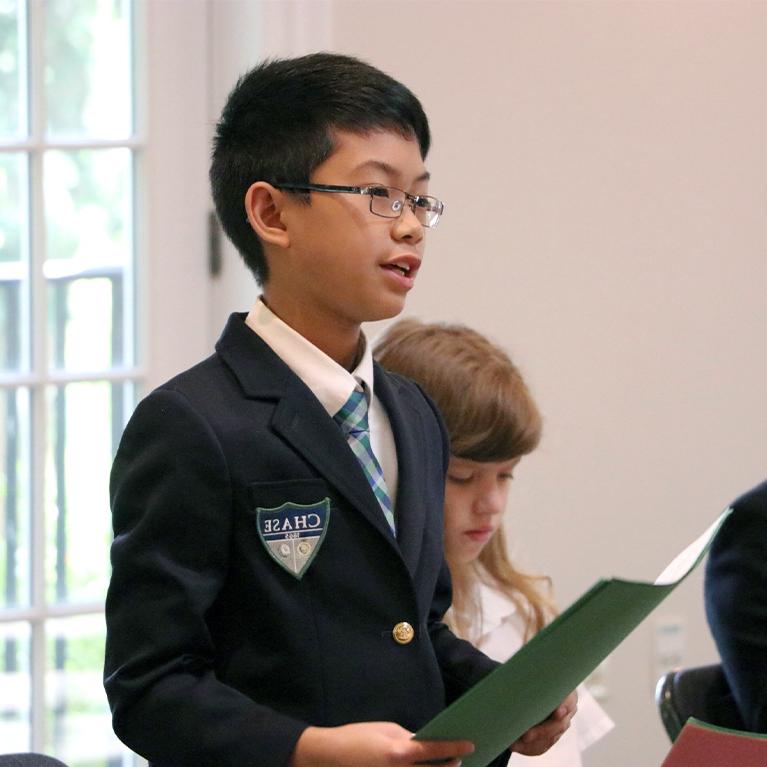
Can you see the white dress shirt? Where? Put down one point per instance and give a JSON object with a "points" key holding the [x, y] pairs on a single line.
{"points": [[503, 630], [330, 383]]}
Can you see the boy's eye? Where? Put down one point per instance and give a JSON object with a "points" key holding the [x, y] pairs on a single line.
{"points": [[458, 479], [378, 191], [506, 476], [425, 203]]}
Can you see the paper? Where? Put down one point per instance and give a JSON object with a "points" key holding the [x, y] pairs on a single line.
{"points": [[686, 561], [704, 745], [534, 681]]}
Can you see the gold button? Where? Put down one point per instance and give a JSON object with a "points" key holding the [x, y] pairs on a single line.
{"points": [[403, 633]]}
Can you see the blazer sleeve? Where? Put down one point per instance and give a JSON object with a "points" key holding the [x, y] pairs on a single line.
{"points": [[172, 505], [736, 604]]}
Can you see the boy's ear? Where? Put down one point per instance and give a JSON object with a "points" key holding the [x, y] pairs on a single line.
{"points": [[263, 204]]}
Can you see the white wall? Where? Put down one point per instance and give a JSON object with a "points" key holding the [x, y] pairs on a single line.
{"points": [[604, 168], [173, 275]]}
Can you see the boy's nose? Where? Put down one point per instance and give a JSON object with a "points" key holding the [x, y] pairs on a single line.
{"points": [[407, 226]]}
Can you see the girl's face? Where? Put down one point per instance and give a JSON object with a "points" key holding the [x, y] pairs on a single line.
{"points": [[475, 499]]}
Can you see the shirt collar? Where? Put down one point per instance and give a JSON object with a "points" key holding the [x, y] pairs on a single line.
{"points": [[330, 383]]}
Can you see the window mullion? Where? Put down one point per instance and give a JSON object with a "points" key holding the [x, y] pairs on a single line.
{"points": [[38, 340]]}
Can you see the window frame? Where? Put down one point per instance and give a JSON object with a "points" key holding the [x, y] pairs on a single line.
{"points": [[171, 206], [36, 374]]}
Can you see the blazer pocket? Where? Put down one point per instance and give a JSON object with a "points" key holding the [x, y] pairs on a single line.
{"points": [[298, 491]]}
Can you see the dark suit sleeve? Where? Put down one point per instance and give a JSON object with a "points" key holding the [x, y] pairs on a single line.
{"points": [[462, 664], [736, 603], [172, 506]]}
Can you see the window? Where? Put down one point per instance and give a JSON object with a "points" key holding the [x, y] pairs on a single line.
{"points": [[68, 149]]}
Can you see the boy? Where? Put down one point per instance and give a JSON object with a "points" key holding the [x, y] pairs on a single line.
{"points": [[271, 586], [736, 606]]}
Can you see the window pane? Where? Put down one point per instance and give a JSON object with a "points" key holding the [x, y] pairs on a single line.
{"points": [[87, 207], [13, 259], [79, 723], [12, 69], [15, 502], [84, 422], [88, 68], [15, 687], [86, 323], [88, 265]]}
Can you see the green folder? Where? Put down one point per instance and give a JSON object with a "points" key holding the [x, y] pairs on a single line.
{"points": [[533, 682]]}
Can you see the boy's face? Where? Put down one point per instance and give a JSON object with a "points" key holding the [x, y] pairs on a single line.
{"points": [[475, 500], [344, 265]]}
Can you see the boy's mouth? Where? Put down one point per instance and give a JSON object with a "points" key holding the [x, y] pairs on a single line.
{"points": [[407, 266]]}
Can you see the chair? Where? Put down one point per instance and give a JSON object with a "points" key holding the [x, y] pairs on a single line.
{"points": [[701, 692], [29, 760]]}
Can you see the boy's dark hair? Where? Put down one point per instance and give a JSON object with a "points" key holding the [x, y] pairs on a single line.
{"points": [[277, 127]]}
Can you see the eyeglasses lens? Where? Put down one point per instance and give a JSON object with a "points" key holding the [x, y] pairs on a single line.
{"points": [[386, 202], [389, 202]]}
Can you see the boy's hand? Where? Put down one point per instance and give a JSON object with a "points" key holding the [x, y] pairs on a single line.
{"points": [[373, 744], [539, 739]]}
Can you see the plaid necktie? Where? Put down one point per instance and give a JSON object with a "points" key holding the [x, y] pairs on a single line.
{"points": [[353, 420]]}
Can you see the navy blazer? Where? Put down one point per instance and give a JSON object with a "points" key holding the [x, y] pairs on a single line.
{"points": [[736, 603], [216, 655]]}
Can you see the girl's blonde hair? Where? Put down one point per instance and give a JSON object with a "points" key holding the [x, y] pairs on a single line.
{"points": [[490, 416]]}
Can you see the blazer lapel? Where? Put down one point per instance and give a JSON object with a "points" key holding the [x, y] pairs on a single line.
{"points": [[299, 418], [302, 421], [407, 427]]}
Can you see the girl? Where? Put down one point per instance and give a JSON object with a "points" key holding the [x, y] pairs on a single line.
{"points": [[492, 421]]}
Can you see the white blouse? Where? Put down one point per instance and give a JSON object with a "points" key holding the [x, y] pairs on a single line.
{"points": [[502, 635]]}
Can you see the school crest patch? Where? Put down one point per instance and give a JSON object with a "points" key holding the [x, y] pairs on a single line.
{"points": [[293, 533]]}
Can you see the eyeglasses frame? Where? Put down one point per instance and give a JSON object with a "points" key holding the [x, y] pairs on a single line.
{"points": [[412, 199]]}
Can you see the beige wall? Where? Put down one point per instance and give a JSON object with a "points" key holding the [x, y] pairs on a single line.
{"points": [[604, 166]]}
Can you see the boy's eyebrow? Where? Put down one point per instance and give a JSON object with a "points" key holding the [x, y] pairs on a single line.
{"points": [[388, 169]]}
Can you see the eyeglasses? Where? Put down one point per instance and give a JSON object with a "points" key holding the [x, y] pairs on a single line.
{"points": [[385, 201]]}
